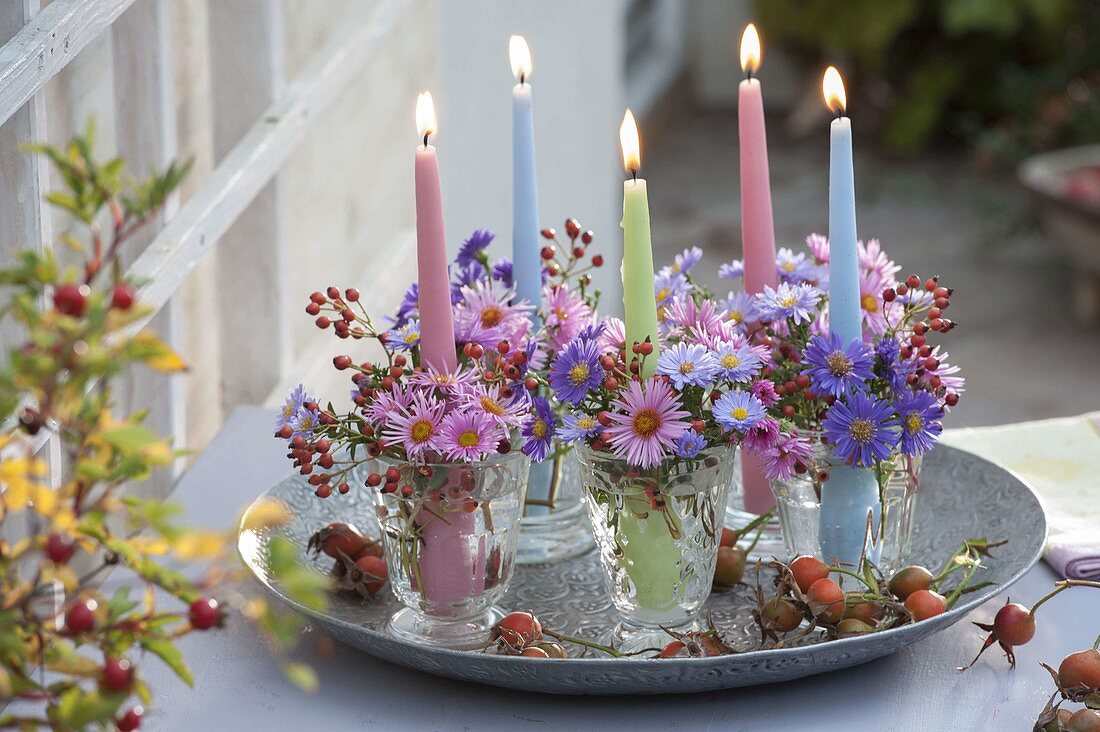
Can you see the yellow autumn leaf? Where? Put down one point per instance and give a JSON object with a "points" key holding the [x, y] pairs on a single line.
{"points": [[149, 544], [156, 354], [62, 573], [159, 453], [264, 514], [196, 545]]}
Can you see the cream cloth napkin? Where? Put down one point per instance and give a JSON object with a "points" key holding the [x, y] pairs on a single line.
{"points": [[1060, 459]]}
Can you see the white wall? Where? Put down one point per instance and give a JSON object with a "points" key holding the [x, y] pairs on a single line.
{"points": [[577, 81]]}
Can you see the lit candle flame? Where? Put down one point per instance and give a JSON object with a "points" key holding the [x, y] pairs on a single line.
{"points": [[425, 116], [628, 139], [519, 53], [750, 50], [832, 86]]}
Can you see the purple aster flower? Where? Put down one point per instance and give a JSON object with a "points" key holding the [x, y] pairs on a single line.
{"points": [[887, 365], [468, 435], [862, 430], [577, 427], [471, 249], [295, 402], [690, 444], [668, 286], [684, 262], [487, 399], [576, 371], [764, 390], [645, 422], [732, 270], [837, 369], [409, 306], [794, 268], [919, 415], [405, 338], [685, 313], [687, 365], [502, 271], [738, 410], [740, 308], [780, 461], [538, 430], [794, 302], [387, 403], [737, 360], [487, 315]]}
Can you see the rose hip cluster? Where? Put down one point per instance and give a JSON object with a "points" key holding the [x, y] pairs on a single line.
{"points": [[306, 454], [345, 322], [932, 305], [359, 566], [521, 634], [566, 266]]}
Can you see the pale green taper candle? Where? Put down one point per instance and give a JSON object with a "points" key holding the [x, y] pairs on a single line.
{"points": [[639, 303]]}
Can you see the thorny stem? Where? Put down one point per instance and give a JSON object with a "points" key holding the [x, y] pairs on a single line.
{"points": [[586, 643]]}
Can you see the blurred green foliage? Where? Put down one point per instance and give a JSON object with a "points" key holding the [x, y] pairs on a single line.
{"points": [[1007, 76]]}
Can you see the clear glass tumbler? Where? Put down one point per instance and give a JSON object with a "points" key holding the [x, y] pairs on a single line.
{"points": [[657, 532], [554, 526], [450, 532]]}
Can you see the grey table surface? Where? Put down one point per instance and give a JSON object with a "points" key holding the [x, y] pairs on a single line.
{"points": [[237, 685]]}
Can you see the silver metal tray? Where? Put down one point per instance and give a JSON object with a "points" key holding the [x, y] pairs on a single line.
{"points": [[963, 496]]}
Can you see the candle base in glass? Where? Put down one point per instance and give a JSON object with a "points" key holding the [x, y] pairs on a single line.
{"points": [[635, 638], [461, 635]]}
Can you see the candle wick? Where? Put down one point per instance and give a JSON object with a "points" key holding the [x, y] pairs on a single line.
{"points": [[426, 134], [748, 74], [522, 78], [839, 112], [634, 174]]}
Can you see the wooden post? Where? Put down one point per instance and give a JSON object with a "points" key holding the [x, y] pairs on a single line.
{"points": [[247, 75], [146, 137]]}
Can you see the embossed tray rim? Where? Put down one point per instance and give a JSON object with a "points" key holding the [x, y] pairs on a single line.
{"points": [[396, 650]]}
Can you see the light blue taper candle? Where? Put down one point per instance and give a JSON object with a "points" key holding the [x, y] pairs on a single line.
{"points": [[526, 252], [850, 494]]}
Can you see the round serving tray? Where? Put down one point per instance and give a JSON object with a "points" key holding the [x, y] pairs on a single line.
{"points": [[963, 496]]}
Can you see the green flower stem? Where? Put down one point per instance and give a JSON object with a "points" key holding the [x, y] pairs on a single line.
{"points": [[583, 642], [1062, 586]]}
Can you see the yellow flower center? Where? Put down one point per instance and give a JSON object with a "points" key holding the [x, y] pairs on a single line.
{"points": [[735, 316], [787, 266], [788, 301], [421, 430], [539, 428], [412, 337], [662, 294], [579, 374], [492, 406], [740, 413], [869, 303], [586, 422], [646, 422], [687, 367], [861, 430], [730, 361], [838, 363], [467, 439], [492, 315], [913, 423]]}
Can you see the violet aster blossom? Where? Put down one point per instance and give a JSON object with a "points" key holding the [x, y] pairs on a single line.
{"points": [[576, 371], [471, 248], [863, 430], [737, 360], [794, 268], [684, 262], [502, 271], [690, 444], [739, 308], [417, 425], [645, 423], [835, 368], [577, 427], [538, 431], [469, 435], [738, 410], [295, 401], [732, 270], [794, 302], [687, 365], [919, 415]]}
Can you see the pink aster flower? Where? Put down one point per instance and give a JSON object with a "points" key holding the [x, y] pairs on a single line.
{"points": [[779, 461], [417, 425], [450, 383], [387, 403], [762, 436], [872, 258], [486, 315], [646, 423], [872, 306], [683, 314], [486, 399], [469, 435], [565, 314], [819, 247], [614, 335]]}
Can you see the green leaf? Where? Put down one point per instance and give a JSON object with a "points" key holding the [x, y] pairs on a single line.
{"points": [[130, 437], [166, 651], [77, 708], [302, 676]]}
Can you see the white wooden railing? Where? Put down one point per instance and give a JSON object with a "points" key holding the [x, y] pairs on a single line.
{"points": [[259, 122]]}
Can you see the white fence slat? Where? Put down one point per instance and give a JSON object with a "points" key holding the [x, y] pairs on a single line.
{"points": [[146, 138], [248, 167], [44, 47], [247, 72]]}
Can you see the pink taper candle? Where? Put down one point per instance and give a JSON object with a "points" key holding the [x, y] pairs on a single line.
{"points": [[757, 229], [437, 336]]}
